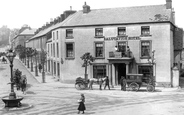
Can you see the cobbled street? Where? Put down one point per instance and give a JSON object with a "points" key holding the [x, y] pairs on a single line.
{"points": [[55, 98]]}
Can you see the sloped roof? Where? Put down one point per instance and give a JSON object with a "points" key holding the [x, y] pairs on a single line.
{"points": [[28, 32], [123, 15], [44, 32], [120, 15]]}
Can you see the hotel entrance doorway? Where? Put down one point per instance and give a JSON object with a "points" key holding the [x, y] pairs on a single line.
{"points": [[121, 71]]}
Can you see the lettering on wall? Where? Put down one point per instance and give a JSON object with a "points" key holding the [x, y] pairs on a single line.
{"points": [[122, 38]]}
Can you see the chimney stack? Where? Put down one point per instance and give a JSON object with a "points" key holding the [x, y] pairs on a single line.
{"points": [[86, 8], [168, 4], [68, 12]]}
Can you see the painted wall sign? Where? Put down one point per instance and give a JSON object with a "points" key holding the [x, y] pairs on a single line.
{"points": [[122, 38], [134, 38], [116, 38]]}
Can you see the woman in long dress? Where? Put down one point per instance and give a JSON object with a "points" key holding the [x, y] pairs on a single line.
{"points": [[81, 104]]}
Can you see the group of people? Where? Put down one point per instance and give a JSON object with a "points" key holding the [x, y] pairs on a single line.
{"points": [[100, 82], [119, 49], [82, 99]]}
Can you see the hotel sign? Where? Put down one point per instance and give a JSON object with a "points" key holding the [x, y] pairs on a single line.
{"points": [[122, 38]]}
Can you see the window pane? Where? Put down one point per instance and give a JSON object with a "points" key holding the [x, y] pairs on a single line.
{"points": [[69, 33], [121, 31], [122, 47], [99, 71], [145, 30], [147, 71], [53, 35], [54, 49], [57, 34], [99, 32], [69, 50], [99, 49], [145, 48], [57, 50]]}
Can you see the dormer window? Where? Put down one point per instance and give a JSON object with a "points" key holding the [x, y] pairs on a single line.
{"points": [[98, 32], [121, 31], [145, 30]]}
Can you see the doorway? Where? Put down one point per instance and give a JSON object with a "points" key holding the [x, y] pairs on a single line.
{"points": [[121, 71]]}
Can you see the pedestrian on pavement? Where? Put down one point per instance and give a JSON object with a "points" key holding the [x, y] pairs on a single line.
{"points": [[91, 84], [40, 67], [81, 104], [100, 83], [123, 83], [107, 82]]}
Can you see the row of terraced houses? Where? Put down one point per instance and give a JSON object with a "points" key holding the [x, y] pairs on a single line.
{"points": [[149, 34]]}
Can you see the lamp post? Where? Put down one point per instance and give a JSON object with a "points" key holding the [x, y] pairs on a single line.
{"points": [[10, 55], [12, 100]]}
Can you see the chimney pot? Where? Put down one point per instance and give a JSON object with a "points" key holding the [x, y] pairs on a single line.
{"points": [[86, 8], [70, 7], [168, 4]]}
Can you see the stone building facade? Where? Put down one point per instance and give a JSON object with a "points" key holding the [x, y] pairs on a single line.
{"points": [[146, 40]]}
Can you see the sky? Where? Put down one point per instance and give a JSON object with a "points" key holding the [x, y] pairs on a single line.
{"points": [[35, 13]]}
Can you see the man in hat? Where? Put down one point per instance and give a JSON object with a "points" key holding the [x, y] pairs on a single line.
{"points": [[107, 82]]}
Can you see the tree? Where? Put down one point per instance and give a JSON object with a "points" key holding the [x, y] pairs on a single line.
{"points": [[21, 50], [4, 36], [87, 58], [43, 60]]}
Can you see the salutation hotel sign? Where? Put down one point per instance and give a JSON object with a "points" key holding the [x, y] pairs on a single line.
{"points": [[122, 38]]}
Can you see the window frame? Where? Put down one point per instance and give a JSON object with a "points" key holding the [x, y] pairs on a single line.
{"points": [[97, 35], [144, 32], [68, 34], [95, 70], [54, 53], [57, 47], [51, 49], [48, 49], [68, 57], [150, 48], [103, 48], [146, 75], [123, 53], [121, 28], [57, 35], [53, 35]]}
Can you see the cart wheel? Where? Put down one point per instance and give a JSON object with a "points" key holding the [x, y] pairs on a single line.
{"points": [[150, 88], [78, 86], [82, 86], [134, 86]]}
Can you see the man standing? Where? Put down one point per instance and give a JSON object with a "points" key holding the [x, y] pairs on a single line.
{"points": [[100, 83], [123, 83], [107, 82]]}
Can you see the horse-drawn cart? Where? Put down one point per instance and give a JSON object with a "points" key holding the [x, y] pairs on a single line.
{"points": [[81, 83], [135, 81]]}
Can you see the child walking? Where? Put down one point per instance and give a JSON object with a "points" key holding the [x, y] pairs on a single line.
{"points": [[81, 104]]}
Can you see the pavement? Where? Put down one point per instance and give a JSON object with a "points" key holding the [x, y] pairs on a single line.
{"points": [[53, 82], [54, 97]]}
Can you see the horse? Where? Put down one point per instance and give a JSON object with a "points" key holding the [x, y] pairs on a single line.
{"points": [[95, 80]]}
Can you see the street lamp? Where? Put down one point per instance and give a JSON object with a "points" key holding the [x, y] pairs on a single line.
{"points": [[11, 100], [10, 55]]}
